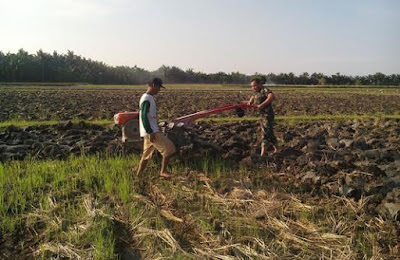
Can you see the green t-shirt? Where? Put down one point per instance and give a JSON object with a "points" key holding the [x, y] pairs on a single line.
{"points": [[260, 97]]}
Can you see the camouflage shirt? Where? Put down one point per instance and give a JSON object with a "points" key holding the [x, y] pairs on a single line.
{"points": [[260, 97]]}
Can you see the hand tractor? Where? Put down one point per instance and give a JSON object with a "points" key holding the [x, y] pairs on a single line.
{"points": [[174, 130]]}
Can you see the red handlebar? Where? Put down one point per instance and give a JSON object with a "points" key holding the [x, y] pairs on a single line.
{"points": [[123, 117], [188, 119]]}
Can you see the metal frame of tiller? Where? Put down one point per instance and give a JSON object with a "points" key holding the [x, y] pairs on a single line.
{"points": [[130, 120]]}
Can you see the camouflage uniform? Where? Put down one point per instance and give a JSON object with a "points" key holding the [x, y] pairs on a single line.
{"points": [[266, 117]]}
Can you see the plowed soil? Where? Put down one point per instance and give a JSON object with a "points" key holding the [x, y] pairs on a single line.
{"points": [[103, 104]]}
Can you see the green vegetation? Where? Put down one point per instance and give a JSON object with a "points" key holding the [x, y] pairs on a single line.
{"points": [[288, 119], [304, 118], [94, 207], [55, 67], [284, 119], [358, 89], [24, 123]]}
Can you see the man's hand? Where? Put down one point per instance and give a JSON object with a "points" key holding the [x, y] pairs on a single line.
{"points": [[260, 106], [152, 138], [250, 101]]}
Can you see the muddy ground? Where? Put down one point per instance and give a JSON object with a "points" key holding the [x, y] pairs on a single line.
{"points": [[42, 104], [354, 158]]}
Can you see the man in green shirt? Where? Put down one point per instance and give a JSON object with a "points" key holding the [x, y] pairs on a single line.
{"points": [[263, 98]]}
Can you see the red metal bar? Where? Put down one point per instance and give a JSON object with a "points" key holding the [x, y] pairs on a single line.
{"points": [[188, 119], [123, 117]]}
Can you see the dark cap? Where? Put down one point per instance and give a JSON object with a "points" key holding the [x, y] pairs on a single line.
{"points": [[156, 82]]}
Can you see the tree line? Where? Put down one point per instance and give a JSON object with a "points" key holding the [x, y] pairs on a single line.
{"points": [[69, 67]]}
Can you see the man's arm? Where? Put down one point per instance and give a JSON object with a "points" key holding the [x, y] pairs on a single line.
{"points": [[145, 107], [270, 98], [251, 100]]}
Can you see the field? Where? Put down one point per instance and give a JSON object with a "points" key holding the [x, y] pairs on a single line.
{"points": [[62, 103], [332, 191]]}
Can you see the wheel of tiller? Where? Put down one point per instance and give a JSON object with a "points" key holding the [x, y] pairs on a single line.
{"points": [[239, 112], [130, 131]]}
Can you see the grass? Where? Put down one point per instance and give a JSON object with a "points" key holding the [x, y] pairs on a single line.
{"points": [[289, 119], [171, 86], [306, 118], [95, 207], [307, 88], [383, 91], [67, 86], [25, 123]]}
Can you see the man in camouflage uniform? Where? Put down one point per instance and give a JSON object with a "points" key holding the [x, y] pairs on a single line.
{"points": [[263, 98]]}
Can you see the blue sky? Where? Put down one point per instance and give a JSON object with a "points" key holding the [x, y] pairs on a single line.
{"points": [[353, 37]]}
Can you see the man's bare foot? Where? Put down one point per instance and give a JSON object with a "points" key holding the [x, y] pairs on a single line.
{"points": [[166, 174]]}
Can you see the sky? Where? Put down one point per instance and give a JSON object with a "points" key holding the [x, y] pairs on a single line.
{"points": [[352, 37]]}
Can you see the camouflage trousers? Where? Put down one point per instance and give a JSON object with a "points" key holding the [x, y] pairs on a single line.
{"points": [[267, 131]]}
